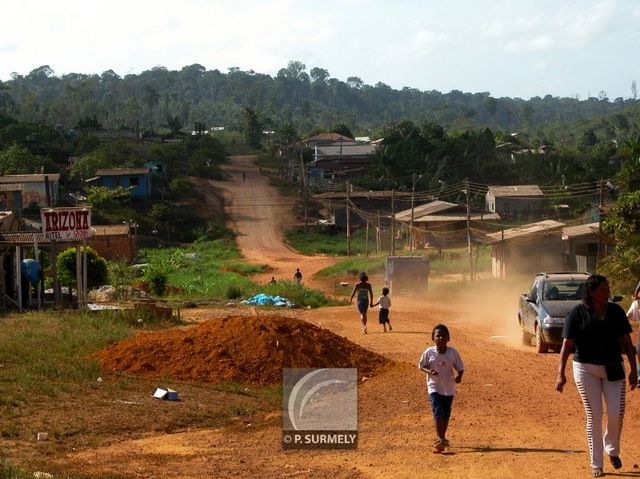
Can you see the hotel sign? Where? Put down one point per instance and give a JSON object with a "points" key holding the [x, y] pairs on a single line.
{"points": [[66, 223]]}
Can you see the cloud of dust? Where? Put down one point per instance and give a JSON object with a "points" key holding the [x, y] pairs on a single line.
{"points": [[486, 304]]}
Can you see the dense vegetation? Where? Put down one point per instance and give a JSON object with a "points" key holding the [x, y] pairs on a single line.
{"points": [[307, 100]]}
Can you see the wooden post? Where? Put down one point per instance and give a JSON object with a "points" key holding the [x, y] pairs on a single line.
{"points": [[348, 222], [393, 216], [466, 190]]}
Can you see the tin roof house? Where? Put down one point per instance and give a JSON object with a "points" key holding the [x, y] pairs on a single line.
{"points": [[138, 178]]}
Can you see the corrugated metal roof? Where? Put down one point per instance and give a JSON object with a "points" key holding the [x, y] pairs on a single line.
{"points": [[22, 237], [345, 150], [515, 190], [340, 195], [426, 209], [532, 229], [122, 171], [327, 137], [26, 237], [587, 229], [39, 178], [107, 230], [460, 217]]}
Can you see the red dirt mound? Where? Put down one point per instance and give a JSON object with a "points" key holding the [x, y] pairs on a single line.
{"points": [[241, 349]]}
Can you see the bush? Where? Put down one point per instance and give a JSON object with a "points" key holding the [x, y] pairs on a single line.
{"points": [[157, 279], [97, 270], [233, 292]]}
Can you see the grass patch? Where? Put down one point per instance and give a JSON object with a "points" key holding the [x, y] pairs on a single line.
{"points": [[210, 271], [329, 240], [352, 267], [44, 353]]}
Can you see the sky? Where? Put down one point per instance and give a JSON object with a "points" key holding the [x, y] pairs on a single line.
{"points": [[509, 48]]}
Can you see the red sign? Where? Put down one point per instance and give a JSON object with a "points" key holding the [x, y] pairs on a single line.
{"points": [[66, 223]]}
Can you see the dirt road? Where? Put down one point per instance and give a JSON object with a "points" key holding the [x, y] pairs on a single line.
{"points": [[258, 213], [508, 422]]}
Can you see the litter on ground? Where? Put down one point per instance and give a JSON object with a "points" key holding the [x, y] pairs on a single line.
{"points": [[262, 299]]}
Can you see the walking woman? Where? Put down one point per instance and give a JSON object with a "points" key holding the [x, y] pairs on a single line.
{"points": [[364, 298], [600, 332]]}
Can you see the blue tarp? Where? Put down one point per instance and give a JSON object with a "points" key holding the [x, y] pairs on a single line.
{"points": [[262, 299]]}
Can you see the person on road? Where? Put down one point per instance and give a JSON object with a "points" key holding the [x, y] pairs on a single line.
{"points": [[244, 177], [364, 298], [385, 303], [439, 362], [298, 276], [600, 332]]}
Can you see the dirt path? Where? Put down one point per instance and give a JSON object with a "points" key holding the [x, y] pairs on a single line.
{"points": [[258, 213], [508, 422]]}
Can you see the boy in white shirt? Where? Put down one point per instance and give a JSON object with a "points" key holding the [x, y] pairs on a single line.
{"points": [[385, 303], [438, 362]]}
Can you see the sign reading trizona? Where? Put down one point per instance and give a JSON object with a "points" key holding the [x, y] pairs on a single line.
{"points": [[66, 223]]}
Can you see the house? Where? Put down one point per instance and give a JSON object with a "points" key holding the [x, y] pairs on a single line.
{"points": [[527, 249], [342, 161], [584, 245], [327, 139], [138, 178], [38, 189], [158, 168], [511, 201], [114, 241], [442, 224]]}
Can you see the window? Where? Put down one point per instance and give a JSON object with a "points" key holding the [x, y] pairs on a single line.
{"points": [[134, 181]]}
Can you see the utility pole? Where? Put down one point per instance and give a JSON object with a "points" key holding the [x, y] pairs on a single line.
{"points": [[378, 233], [366, 241], [303, 183], [348, 222], [393, 217], [413, 198], [600, 203], [466, 191]]}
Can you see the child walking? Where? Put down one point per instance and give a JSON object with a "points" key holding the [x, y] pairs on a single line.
{"points": [[384, 302], [438, 362]]}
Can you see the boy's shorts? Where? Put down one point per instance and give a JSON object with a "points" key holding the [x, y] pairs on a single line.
{"points": [[440, 405]]}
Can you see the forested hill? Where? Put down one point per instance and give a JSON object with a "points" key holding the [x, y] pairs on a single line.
{"points": [[309, 100]]}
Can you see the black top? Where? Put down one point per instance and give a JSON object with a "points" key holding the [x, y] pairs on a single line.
{"points": [[597, 340]]}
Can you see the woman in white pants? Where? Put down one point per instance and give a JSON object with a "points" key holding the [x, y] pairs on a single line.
{"points": [[600, 332]]}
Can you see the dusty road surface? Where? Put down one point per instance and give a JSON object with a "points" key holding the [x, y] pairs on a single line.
{"points": [[508, 422], [259, 214]]}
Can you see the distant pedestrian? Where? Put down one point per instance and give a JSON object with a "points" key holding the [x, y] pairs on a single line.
{"points": [[298, 276], [364, 298], [385, 303], [439, 362], [273, 280], [244, 176]]}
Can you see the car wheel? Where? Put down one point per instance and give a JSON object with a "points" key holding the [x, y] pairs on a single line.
{"points": [[541, 346], [526, 338]]}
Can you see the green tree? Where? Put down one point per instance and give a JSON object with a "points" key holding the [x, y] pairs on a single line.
{"points": [[97, 270], [623, 225], [108, 199], [17, 160], [252, 128]]}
